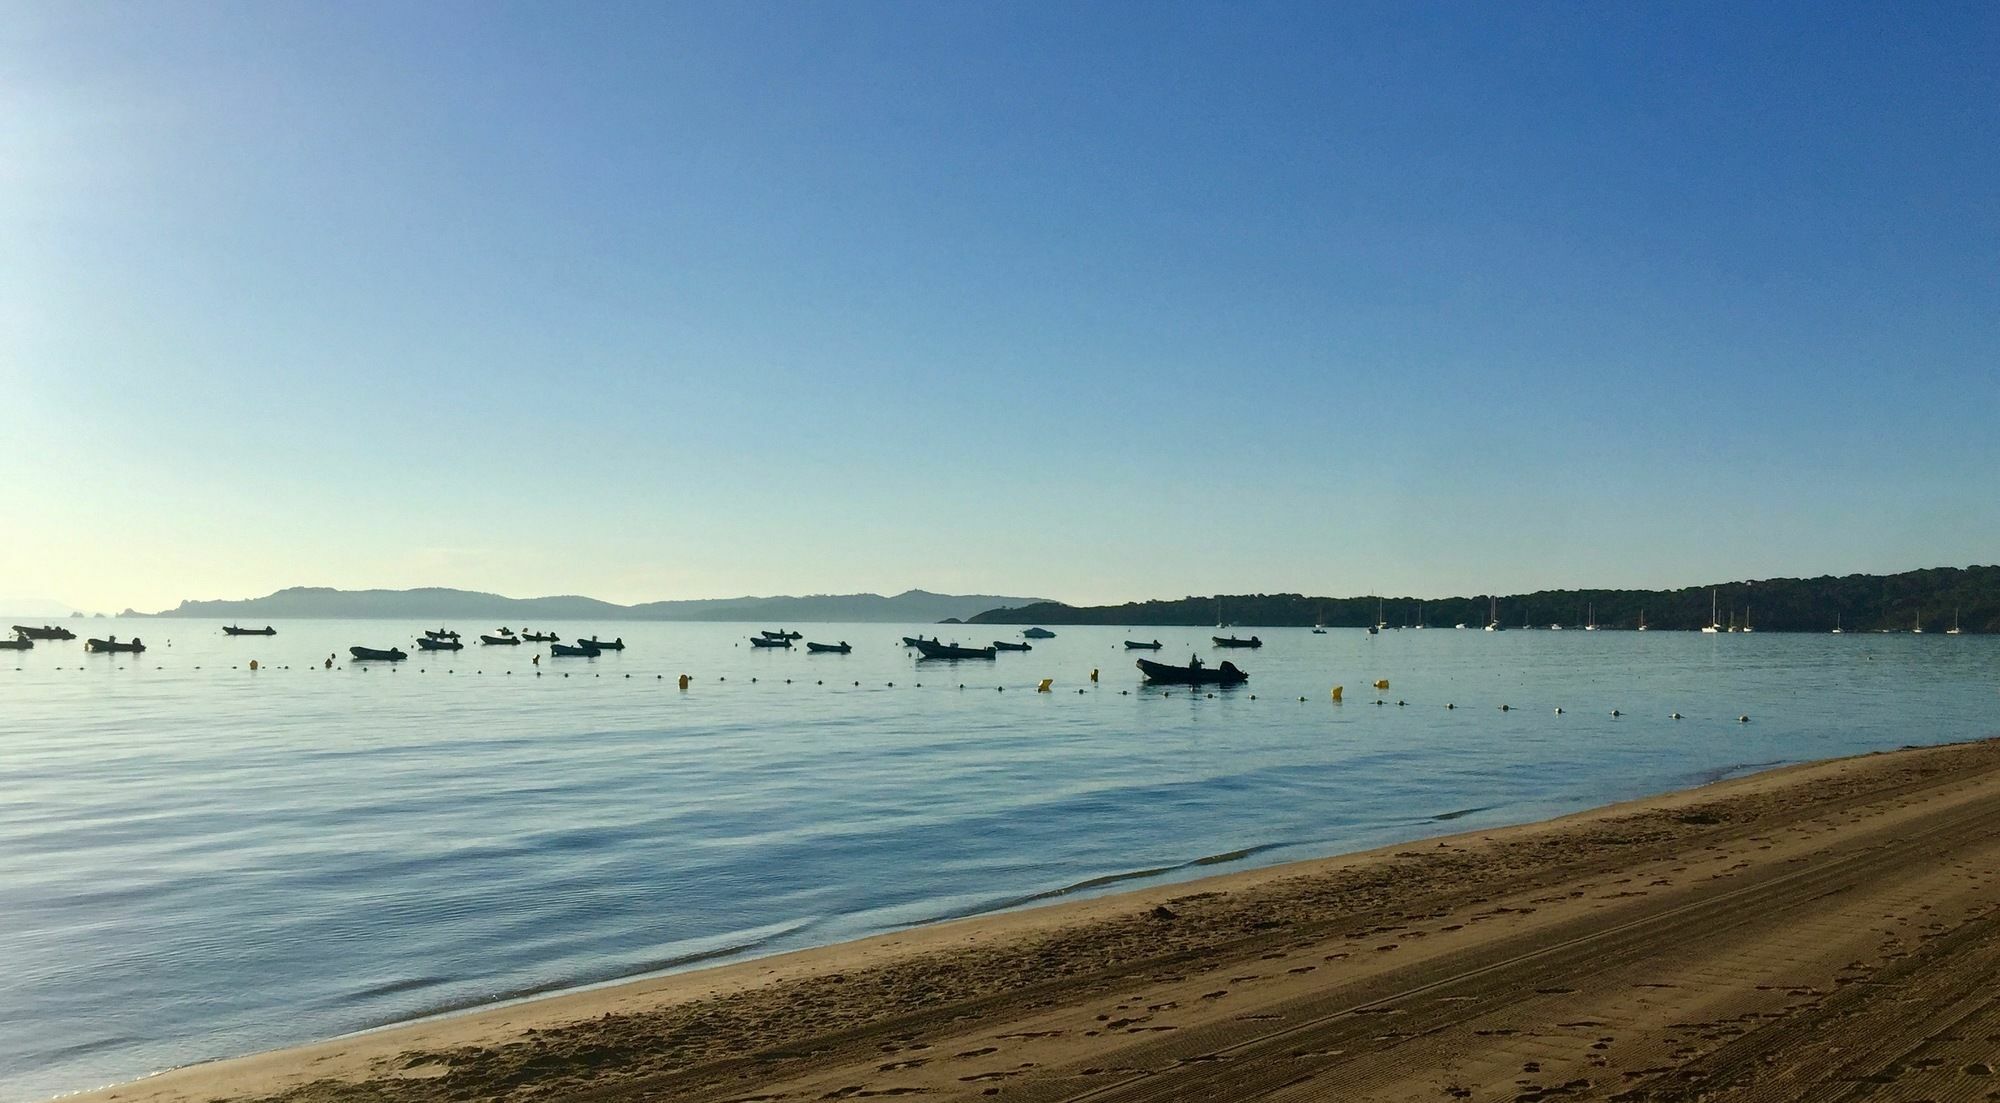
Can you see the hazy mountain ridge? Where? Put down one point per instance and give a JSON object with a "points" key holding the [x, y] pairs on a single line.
{"points": [[1857, 603], [439, 603]]}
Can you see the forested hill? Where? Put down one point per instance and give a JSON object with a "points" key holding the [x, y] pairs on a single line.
{"points": [[1860, 602], [909, 607]]}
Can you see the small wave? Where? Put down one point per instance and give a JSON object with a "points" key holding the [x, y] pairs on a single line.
{"points": [[617, 975], [1710, 777], [1461, 813], [80, 1049], [390, 988], [1100, 881]]}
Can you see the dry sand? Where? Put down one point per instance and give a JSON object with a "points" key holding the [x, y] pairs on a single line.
{"points": [[1820, 932]]}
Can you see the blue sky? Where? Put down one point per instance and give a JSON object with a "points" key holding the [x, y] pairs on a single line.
{"points": [[1098, 301]]}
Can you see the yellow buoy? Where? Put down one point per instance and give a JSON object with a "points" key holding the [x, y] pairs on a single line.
{"points": [[684, 680], [253, 664], [1044, 687], [1337, 690], [1381, 683], [1093, 673]]}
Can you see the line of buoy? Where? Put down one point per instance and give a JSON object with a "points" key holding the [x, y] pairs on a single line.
{"points": [[684, 682]]}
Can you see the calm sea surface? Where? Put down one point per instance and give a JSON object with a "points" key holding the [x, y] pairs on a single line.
{"points": [[198, 860]]}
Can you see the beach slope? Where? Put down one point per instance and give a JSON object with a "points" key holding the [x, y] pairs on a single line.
{"points": [[1824, 931]]}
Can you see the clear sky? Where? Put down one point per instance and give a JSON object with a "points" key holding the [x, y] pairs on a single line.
{"points": [[1094, 301]]}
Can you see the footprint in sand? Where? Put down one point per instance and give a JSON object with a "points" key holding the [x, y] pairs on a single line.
{"points": [[1000, 1074], [977, 1052], [896, 1066]]}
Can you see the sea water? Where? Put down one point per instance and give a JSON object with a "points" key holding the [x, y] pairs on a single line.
{"points": [[198, 860]]}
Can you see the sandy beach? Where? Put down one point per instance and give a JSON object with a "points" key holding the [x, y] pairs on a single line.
{"points": [[1823, 931]]}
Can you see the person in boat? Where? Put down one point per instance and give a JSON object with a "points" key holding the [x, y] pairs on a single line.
{"points": [[329, 662], [1194, 662]]}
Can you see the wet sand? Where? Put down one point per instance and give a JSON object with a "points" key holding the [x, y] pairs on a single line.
{"points": [[1825, 931]]}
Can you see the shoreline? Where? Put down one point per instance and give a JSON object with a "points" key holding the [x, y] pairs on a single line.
{"points": [[693, 1033]]}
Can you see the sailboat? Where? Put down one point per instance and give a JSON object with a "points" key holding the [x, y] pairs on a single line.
{"points": [[1381, 622], [1746, 620], [1420, 615], [1917, 629], [1953, 630], [1591, 624], [1319, 625], [1642, 620], [1493, 615], [1714, 625], [1218, 614], [1836, 624]]}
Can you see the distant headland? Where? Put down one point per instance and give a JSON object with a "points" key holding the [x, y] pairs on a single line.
{"points": [[304, 602], [1935, 600]]}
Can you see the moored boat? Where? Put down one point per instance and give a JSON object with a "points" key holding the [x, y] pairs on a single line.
{"points": [[912, 641], [508, 641], [1002, 645], [45, 632], [18, 643], [1193, 675], [429, 644], [132, 645], [934, 650], [563, 650], [1135, 645], [540, 637], [840, 648], [232, 630], [377, 654], [1039, 634], [1232, 641], [440, 634], [603, 645], [787, 634], [767, 641]]}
